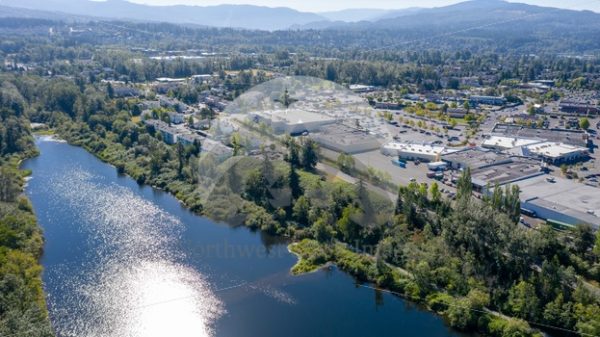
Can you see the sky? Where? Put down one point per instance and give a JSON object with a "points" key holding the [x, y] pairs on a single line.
{"points": [[332, 5]]}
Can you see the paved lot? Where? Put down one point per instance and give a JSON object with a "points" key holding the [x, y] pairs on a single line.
{"points": [[400, 176]]}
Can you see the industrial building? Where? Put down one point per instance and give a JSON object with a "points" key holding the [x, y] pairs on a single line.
{"points": [[488, 100], [556, 153], [517, 169], [475, 158], [561, 200], [579, 108], [346, 139], [422, 152], [571, 137], [502, 143], [361, 88], [292, 121], [489, 168]]}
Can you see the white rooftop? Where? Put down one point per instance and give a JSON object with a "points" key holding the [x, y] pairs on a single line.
{"points": [[555, 150], [169, 79], [418, 148], [295, 116], [563, 195], [508, 142]]}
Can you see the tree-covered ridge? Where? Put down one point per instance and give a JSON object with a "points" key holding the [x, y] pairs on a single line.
{"points": [[121, 50], [22, 301]]}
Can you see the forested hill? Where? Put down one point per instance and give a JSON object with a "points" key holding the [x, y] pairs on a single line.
{"points": [[485, 25], [239, 16], [513, 24]]}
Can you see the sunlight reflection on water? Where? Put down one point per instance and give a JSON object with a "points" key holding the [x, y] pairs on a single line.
{"points": [[132, 283]]}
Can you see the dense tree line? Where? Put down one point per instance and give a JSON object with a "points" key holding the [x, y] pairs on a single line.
{"points": [[343, 56], [22, 301]]}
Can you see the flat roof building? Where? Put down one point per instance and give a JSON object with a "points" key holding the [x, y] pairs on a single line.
{"points": [[423, 152], [488, 100], [475, 158], [361, 88], [515, 170], [556, 153], [346, 139], [571, 137], [579, 108], [561, 200], [292, 121], [506, 143], [168, 133]]}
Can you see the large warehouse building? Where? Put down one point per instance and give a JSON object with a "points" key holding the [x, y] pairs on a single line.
{"points": [[409, 151], [292, 121], [556, 153], [561, 200], [346, 139]]}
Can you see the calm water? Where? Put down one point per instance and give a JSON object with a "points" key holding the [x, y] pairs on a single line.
{"points": [[125, 261]]}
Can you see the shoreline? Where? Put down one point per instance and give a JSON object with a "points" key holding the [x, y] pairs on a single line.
{"points": [[360, 276]]}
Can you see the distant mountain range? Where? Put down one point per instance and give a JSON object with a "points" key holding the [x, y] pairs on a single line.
{"points": [[237, 16], [476, 14], [355, 14]]}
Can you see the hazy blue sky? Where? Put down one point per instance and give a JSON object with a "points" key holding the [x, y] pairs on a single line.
{"points": [[327, 5]]}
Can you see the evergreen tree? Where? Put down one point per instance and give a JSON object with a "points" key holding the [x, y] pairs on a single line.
{"points": [[310, 154], [294, 182], [464, 186]]}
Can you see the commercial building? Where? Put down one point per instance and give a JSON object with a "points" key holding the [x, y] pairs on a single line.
{"points": [[422, 152], [121, 92], [475, 158], [556, 153], [579, 108], [518, 168], [561, 200], [361, 88], [388, 105], [488, 100], [171, 80], [571, 137], [292, 121], [505, 143], [456, 113], [489, 168], [346, 139]]}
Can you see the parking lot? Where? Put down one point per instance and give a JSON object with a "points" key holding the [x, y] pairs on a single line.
{"points": [[400, 176]]}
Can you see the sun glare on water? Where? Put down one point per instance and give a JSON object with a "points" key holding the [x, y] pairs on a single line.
{"points": [[167, 300], [132, 283]]}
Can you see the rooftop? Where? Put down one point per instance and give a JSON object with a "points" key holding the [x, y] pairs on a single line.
{"points": [[515, 170], [565, 196], [555, 150], [294, 116], [508, 142], [572, 137], [423, 149], [477, 157], [344, 134]]}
